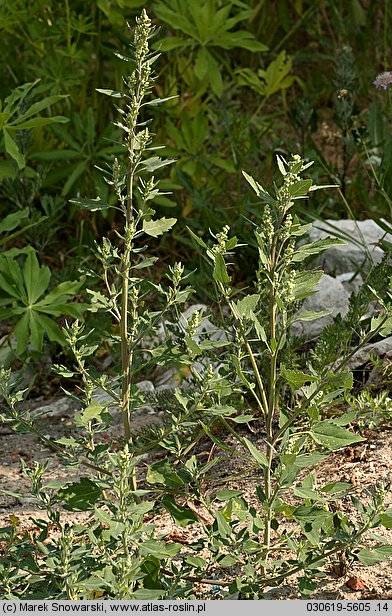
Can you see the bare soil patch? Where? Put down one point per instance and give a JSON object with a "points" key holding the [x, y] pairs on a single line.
{"points": [[363, 465]]}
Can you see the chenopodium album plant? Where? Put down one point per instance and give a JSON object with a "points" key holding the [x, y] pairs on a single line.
{"points": [[242, 549], [116, 552], [290, 402], [128, 293]]}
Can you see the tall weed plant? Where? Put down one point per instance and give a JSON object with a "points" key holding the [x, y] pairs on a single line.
{"points": [[297, 524]]}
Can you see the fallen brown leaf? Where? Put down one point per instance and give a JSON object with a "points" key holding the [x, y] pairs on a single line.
{"points": [[355, 583]]}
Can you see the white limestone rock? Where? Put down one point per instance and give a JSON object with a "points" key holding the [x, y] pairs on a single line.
{"points": [[359, 252], [62, 407], [331, 295], [351, 281]]}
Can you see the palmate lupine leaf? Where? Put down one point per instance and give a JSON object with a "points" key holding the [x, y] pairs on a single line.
{"points": [[21, 288], [205, 28], [11, 122]]}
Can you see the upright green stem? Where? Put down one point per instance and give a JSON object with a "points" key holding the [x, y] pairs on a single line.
{"points": [[263, 403], [271, 397], [125, 356], [126, 353]]}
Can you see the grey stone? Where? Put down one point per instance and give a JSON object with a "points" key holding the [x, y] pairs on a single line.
{"points": [[145, 386], [331, 295], [351, 281], [62, 407], [168, 380], [103, 398], [359, 252], [381, 348]]}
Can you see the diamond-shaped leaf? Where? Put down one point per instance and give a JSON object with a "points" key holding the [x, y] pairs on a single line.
{"points": [[331, 436], [80, 496], [158, 227]]}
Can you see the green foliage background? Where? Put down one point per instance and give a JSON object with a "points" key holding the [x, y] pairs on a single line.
{"points": [[250, 79]]}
